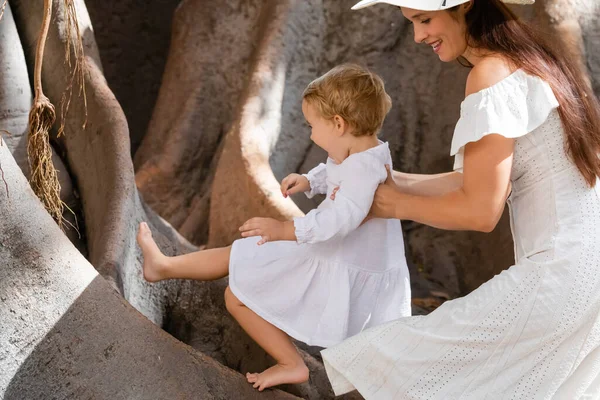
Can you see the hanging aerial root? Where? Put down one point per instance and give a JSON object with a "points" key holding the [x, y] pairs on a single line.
{"points": [[44, 179]]}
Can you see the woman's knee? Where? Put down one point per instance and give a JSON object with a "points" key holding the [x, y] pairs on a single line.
{"points": [[231, 301]]}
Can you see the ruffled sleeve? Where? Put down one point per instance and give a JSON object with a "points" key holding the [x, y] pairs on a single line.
{"points": [[317, 179], [513, 107]]}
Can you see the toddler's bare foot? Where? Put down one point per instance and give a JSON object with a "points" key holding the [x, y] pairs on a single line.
{"points": [[154, 260], [277, 375]]}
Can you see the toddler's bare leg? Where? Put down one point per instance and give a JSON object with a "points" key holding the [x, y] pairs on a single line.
{"points": [[202, 265], [290, 367]]}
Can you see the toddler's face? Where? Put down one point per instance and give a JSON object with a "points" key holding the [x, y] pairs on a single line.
{"points": [[322, 130]]}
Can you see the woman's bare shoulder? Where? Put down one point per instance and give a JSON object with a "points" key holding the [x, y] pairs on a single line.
{"points": [[488, 72]]}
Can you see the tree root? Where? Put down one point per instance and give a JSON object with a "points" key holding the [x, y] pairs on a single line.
{"points": [[44, 179]]}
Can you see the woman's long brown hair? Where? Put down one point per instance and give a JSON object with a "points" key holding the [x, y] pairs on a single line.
{"points": [[492, 26]]}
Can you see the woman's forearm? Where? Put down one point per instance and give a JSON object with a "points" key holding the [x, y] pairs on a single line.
{"points": [[428, 185], [476, 204], [454, 210]]}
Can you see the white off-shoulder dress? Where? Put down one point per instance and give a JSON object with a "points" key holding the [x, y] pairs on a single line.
{"points": [[533, 331], [339, 277]]}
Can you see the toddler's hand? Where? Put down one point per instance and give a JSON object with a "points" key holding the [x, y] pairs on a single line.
{"points": [[294, 183], [268, 229]]}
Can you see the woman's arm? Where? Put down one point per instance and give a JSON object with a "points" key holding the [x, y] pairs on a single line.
{"points": [[476, 205], [427, 185]]}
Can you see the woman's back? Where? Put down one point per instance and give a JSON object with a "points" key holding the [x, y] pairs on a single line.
{"points": [[553, 210]]}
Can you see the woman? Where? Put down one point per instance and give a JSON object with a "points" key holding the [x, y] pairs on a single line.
{"points": [[529, 127]]}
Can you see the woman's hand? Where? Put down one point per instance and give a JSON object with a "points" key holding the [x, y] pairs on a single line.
{"points": [[294, 183], [384, 205], [268, 229]]}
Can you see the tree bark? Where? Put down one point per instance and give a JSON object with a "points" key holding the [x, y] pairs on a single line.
{"points": [[562, 19], [204, 76], [245, 184]]}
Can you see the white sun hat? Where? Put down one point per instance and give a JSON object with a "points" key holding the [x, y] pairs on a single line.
{"points": [[427, 5]]}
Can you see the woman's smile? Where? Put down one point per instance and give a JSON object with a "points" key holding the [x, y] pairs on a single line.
{"points": [[436, 45]]}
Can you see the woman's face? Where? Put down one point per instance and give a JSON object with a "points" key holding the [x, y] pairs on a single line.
{"points": [[443, 31]]}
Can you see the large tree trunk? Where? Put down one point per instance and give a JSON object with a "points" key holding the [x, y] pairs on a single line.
{"points": [[203, 79], [134, 37], [244, 171]]}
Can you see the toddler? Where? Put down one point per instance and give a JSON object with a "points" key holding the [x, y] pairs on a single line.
{"points": [[325, 276]]}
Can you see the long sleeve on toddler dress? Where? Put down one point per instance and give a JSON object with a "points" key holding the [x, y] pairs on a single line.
{"points": [[359, 175]]}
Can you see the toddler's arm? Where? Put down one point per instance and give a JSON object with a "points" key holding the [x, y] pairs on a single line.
{"points": [[317, 178], [350, 207]]}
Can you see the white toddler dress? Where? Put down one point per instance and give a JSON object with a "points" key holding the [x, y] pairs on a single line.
{"points": [[340, 277], [533, 331]]}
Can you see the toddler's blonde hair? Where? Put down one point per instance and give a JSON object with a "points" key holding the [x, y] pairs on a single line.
{"points": [[355, 94]]}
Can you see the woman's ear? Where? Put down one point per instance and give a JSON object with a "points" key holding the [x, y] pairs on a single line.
{"points": [[468, 5]]}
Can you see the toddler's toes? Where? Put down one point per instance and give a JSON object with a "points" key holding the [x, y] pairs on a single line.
{"points": [[251, 377]]}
